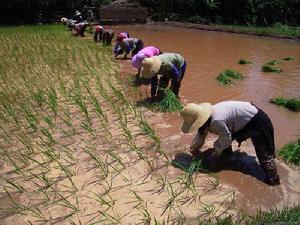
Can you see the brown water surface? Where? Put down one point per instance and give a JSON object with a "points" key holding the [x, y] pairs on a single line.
{"points": [[209, 53]]}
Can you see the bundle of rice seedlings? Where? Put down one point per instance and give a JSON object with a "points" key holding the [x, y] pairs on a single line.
{"points": [[273, 62], [291, 153], [289, 58], [224, 77], [234, 74], [170, 103], [269, 68], [243, 61], [292, 104]]}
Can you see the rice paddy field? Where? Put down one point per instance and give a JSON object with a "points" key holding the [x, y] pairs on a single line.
{"points": [[75, 150]]}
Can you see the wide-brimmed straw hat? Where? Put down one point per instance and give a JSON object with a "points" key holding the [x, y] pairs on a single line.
{"points": [[150, 66], [194, 116]]}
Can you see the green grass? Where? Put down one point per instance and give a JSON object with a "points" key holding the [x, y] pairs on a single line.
{"points": [[243, 62], [227, 76], [291, 153], [285, 31], [292, 104], [170, 103]]}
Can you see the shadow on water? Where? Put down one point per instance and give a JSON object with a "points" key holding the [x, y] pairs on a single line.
{"points": [[207, 162]]}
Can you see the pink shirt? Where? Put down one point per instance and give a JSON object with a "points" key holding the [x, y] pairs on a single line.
{"points": [[146, 52]]}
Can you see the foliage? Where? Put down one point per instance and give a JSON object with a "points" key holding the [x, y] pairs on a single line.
{"points": [[292, 104], [226, 77], [170, 103], [291, 153], [246, 12]]}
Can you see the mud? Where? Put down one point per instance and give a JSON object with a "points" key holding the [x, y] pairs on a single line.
{"points": [[207, 54]]}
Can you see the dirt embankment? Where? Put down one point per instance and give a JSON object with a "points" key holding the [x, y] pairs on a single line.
{"points": [[223, 29]]}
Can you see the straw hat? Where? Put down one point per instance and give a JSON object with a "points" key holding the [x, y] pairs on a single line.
{"points": [[194, 116], [77, 13], [150, 66], [137, 60]]}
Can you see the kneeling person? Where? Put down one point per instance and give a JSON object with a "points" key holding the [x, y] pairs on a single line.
{"points": [[233, 120]]}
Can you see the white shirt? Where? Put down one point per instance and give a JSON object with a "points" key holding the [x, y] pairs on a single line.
{"points": [[227, 117]]}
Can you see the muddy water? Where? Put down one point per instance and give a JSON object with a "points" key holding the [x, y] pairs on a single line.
{"points": [[207, 54]]}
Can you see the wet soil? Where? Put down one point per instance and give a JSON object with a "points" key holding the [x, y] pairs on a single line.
{"points": [[208, 53]]}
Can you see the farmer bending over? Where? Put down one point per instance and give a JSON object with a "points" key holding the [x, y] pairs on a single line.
{"points": [[98, 33], [121, 36], [146, 52], [127, 45], [233, 120], [107, 37], [79, 29], [171, 66]]}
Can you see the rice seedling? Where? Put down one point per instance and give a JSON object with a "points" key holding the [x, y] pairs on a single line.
{"points": [[269, 68], [292, 103], [39, 97], [52, 99], [48, 135], [289, 58], [170, 103], [273, 62], [243, 62], [225, 77], [291, 153]]}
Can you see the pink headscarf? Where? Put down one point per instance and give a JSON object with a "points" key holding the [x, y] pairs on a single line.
{"points": [[98, 28], [146, 52]]}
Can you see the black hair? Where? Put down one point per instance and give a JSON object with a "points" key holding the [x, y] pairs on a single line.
{"points": [[205, 125]]}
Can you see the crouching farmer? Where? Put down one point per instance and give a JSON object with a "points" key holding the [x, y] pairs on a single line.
{"points": [[146, 52], [171, 66], [79, 29], [127, 45], [98, 33], [233, 120], [107, 37]]}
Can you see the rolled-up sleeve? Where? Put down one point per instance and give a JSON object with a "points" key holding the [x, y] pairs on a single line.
{"points": [[224, 140]]}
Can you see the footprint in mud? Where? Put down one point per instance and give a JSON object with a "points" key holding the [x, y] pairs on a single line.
{"points": [[207, 162]]}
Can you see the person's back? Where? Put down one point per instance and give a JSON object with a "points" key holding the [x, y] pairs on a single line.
{"points": [[169, 59], [236, 114]]}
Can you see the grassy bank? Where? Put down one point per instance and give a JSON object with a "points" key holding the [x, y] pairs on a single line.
{"points": [[280, 31], [277, 31]]}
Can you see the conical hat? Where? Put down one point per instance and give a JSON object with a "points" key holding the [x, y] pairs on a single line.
{"points": [[150, 66], [194, 116]]}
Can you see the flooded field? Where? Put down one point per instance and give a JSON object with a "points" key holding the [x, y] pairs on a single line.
{"points": [[75, 148], [209, 53]]}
